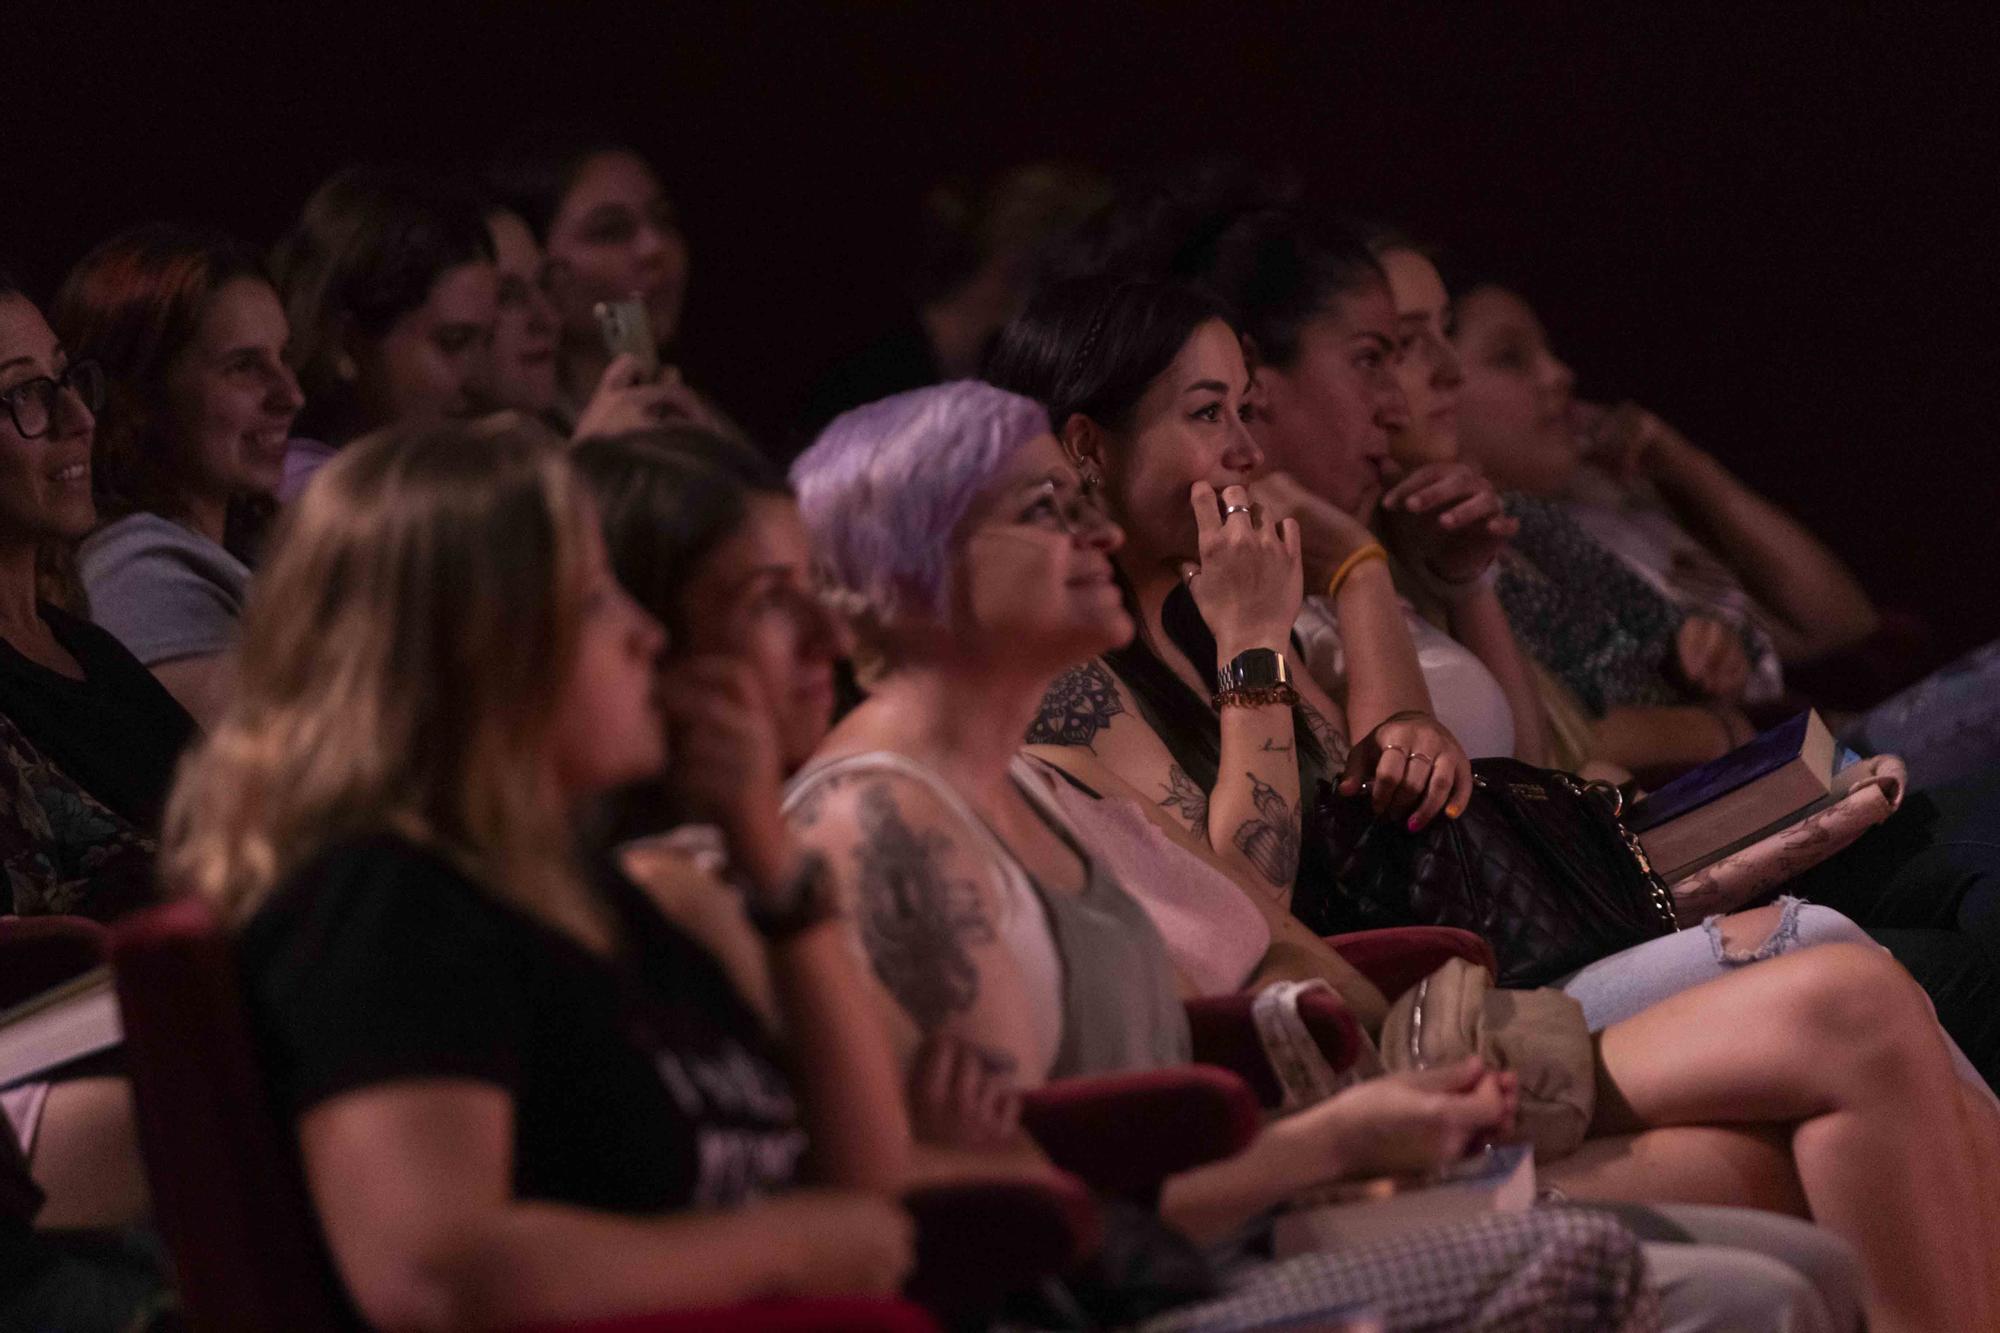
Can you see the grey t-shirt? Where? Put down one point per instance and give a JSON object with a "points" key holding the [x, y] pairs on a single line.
{"points": [[164, 590]]}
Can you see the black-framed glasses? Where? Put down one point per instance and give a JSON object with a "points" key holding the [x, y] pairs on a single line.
{"points": [[32, 403]]}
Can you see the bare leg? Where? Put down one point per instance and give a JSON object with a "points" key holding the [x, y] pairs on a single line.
{"points": [[86, 1156], [1838, 1043], [1745, 1165]]}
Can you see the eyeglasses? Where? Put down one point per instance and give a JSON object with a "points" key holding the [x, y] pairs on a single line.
{"points": [[1081, 513], [32, 403]]}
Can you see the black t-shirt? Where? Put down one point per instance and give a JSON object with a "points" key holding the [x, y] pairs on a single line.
{"points": [[117, 732], [640, 1084]]}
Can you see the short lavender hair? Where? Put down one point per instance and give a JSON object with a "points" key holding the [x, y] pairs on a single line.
{"points": [[885, 486]]}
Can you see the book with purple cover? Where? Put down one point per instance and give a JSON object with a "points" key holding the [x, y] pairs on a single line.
{"points": [[1753, 791]]}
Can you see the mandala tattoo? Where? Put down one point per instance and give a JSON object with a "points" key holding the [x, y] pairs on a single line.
{"points": [[1186, 798], [1271, 841], [1080, 704], [1323, 731], [917, 924]]}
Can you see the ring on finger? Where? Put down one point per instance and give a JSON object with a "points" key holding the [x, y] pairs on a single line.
{"points": [[1419, 754], [1227, 510], [1405, 753]]}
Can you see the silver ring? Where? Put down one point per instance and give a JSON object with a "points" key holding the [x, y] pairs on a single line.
{"points": [[1419, 754], [1405, 752], [1227, 510]]}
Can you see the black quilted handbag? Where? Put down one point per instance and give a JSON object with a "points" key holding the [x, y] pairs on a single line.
{"points": [[1537, 865]]}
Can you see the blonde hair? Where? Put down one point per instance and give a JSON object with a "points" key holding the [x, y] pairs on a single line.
{"points": [[399, 664]]}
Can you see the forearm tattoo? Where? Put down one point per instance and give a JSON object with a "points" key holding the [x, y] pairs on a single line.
{"points": [[1080, 704], [1270, 842], [1185, 798], [918, 924], [1325, 733]]}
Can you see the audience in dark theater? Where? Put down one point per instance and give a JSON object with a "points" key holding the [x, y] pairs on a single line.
{"points": [[1140, 809]]}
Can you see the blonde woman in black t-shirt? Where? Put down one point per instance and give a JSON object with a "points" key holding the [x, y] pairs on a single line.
{"points": [[513, 1082]]}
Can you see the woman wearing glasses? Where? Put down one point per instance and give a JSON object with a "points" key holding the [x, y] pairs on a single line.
{"points": [[89, 741], [190, 441], [90, 736]]}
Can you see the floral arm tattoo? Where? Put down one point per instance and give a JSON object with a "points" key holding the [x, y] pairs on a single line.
{"points": [[1271, 841], [917, 923], [1325, 733], [1080, 704], [1185, 798]]}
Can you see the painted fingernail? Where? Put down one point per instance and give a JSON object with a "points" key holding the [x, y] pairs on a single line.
{"points": [[1452, 811], [1415, 824]]}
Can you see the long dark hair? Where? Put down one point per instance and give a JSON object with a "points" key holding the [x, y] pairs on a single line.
{"points": [[134, 304], [667, 498], [1246, 240], [1091, 346]]}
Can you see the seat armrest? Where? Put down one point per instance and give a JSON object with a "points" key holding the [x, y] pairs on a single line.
{"points": [[1124, 1134], [979, 1240], [1399, 957], [1225, 1034]]}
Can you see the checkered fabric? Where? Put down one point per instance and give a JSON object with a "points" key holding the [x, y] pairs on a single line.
{"points": [[1544, 1271]]}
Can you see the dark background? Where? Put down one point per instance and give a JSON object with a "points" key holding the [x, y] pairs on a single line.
{"points": [[1777, 230]]}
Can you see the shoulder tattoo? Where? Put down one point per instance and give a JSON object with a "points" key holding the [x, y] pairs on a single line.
{"points": [[1080, 704], [1270, 842], [916, 922]]}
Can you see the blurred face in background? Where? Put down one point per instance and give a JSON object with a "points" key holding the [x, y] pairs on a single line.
{"points": [[525, 329], [1426, 366], [753, 598], [616, 235], [1515, 409], [435, 360], [231, 398]]}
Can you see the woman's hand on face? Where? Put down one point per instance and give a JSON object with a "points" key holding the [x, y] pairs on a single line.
{"points": [[1449, 519], [626, 400], [1408, 1123], [1248, 583], [963, 1096], [1328, 534], [1629, 442], [724, 760], [1710, 657], [1414, 768]]}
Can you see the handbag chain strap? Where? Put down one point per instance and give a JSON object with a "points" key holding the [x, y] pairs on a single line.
{"points": [[1662, 896]]}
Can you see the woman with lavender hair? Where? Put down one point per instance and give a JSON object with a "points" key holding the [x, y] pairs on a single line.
{"points": [[977, 569]]}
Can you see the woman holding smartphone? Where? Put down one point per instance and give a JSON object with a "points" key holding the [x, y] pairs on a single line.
{"points": [[616, 270]]}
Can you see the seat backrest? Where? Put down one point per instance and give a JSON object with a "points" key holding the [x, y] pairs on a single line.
{"points": [[37, 952], [227, 1194]]}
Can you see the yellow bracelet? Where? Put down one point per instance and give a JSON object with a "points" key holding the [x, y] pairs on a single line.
{"points": [[1372, 551]]}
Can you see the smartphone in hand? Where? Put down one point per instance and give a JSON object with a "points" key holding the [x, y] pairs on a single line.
{"points": [[628, 331]]}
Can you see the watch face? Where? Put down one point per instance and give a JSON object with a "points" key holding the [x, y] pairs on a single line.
{"points": [[1256, 668]]}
